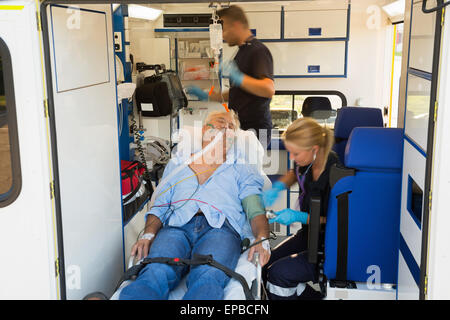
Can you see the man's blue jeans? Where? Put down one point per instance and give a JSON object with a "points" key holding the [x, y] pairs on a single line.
{"points": [[204, 282]]}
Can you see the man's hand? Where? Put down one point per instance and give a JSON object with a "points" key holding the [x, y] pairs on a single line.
{"points": [[263, 249], [142, 246], [230, 70], [198, 92]]}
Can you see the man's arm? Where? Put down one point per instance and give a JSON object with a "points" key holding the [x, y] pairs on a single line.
{"points": [[259, 87], [155, 216], [255, 211], [142, 246], [260, 228]]}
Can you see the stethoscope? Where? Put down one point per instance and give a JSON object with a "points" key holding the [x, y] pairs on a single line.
{"points": [[301, 180]]}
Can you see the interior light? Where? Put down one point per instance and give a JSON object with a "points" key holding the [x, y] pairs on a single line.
{"points": [[141, 12], [395, 9]]}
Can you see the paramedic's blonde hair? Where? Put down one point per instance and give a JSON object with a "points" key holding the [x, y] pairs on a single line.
{"points": [[233, 114], [306, 133]]}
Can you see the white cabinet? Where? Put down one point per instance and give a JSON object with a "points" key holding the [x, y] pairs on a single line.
{"points": [[315, 24], [308, 58], [320, 58], [267, 24]]}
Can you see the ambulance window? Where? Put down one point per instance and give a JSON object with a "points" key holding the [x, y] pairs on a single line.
{"points": [[10, 177], [286, 106]]}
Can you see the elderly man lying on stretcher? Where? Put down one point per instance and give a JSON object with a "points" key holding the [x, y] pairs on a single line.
{"points": [[206, 208]]}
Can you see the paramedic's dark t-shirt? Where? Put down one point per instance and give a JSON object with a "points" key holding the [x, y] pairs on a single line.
{"points": [[255, 60], [320, 188]]}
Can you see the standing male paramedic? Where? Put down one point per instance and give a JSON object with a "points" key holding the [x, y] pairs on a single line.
{"points": [[250, 74]]}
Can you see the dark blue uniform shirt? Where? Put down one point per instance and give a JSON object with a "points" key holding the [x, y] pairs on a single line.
{"points": [[255, 60]]}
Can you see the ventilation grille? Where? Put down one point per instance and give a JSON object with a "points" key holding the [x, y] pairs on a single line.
{"points": [[187, 20]]}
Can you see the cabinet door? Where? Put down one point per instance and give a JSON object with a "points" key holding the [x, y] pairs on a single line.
{"points": [[324, 58], [267, 24], [315, 24]]}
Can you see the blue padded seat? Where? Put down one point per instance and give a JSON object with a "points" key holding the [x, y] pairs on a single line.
{"points": [[374, 194], [350, 117]]}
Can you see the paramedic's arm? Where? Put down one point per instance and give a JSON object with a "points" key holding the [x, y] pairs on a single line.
{"points": [[260, 228], [259, 87], [262, 88], [289, 178], [142, 246]]}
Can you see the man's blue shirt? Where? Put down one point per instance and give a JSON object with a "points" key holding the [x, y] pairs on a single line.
{"points": [[219, 197]]}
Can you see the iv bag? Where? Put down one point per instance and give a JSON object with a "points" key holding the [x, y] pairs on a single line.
{"points": [[215, 35]]}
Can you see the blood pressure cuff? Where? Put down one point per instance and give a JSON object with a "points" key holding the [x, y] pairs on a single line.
{"points": [[253, 206]]}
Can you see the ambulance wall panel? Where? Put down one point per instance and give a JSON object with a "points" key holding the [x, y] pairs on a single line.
{"points": [[417, 110], [414, 162], [315, 24], [80, 45], [407, 289], [414, 168]]}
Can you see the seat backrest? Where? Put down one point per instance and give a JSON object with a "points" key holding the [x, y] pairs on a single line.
{"points": [[370, 245], [317, 107], [350, 117]]}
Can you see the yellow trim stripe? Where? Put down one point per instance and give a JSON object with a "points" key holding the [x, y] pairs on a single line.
{"points": [[392, 74], [4, 7]]}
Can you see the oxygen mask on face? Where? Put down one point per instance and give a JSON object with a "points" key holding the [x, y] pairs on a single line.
{"points": [[228, 135]]}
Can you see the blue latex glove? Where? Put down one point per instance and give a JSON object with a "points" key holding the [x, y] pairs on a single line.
{"points": [[198, 92], [289, 216], [270, 196], [230, 70]]}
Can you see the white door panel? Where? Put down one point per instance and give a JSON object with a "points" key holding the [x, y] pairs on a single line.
{"points": [[29, 248], [88, 151]]}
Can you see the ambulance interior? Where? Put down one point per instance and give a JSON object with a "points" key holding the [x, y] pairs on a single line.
{"points": [[360, 58]]}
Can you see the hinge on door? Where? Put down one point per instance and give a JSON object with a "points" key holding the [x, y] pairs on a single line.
{"points": [[46, 108], [425, 286], [38, 21], [429, 200], [443, 17], [57, 267], [52, 190], [435, 110]]}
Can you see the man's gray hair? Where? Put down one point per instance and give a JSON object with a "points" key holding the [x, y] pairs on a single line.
{"points": [[214, 114]]}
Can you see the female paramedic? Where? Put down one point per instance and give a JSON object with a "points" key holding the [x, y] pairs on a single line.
{"points": [[288, 270]]}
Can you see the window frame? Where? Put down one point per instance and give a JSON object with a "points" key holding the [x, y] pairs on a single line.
{"points": [[16, 184]]}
